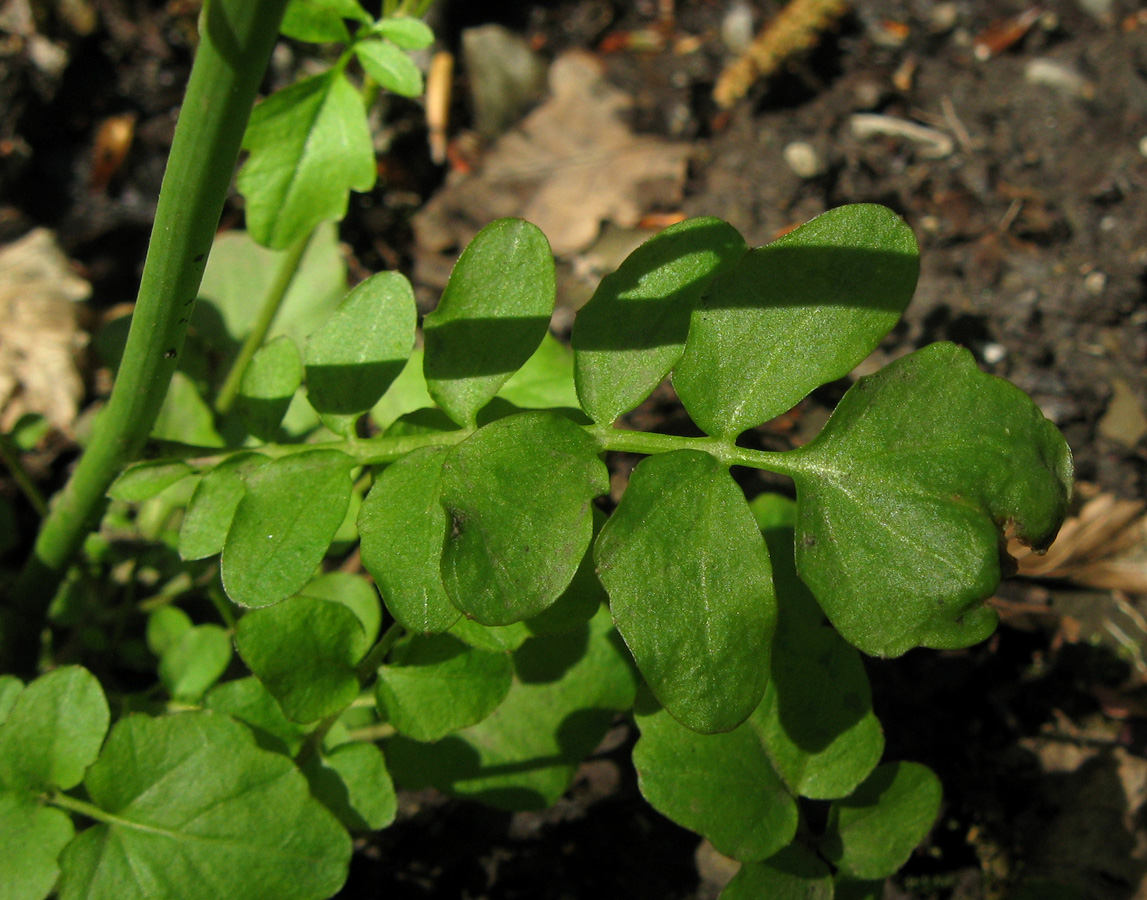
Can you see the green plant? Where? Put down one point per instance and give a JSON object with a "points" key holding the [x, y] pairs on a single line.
{"points": [[516, 619]]}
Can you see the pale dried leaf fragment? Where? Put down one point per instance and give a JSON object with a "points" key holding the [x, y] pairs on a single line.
{"points": [[39, 335], [570, 165]]}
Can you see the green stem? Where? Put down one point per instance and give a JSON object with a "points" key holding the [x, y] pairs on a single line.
{"points": [[83, 808], [236, 39], [378, 652], [10, 454], [288, 267]]}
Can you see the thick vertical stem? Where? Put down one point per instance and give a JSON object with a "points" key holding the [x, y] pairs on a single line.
{"points": [[236, 39]]}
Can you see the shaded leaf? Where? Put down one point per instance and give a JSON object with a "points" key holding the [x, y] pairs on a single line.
{"points": [[269, 383], [632, 331], [900, 495], [837, 284], [355, 593], [792, 874], [580, 601], [284, 524], [690, 587], [353, 783], [545, 380], [192, 794], [248, 701], [493, 314], [490, 637], [517, 533], [212, 507]]}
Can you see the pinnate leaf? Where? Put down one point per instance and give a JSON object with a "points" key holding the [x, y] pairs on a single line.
{"points": [[517, 532], [493, 314], [362, 347], [690, 587], [719, 785], [795, 314], [284, 524], [192, 794], [872, 833], [632, 331], [566, 690], [403, 527], [439, 686], [900, 495], [268, 385], [309, 146]]}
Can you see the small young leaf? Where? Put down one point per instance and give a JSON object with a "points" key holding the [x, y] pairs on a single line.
{"points": [[309, 146], [284, 524], [390, 67], [816, 717], [407, 32], [31, 838], [165, 627], [795, 314], [493, 314], [545, 380], [145, 480], [195, 661], [212, 506], [248, 701], [517, 533], [304, 650], [353, 592], [872, 833], [690, 587], [352, 782], [632, 331], [193, 794], [54, 731], [900, 495], [358, 353], [403, 527], [185, 417], [792, 874], [268, 386], [526, 753], [720, 785], [441, 686], [321, 21]]}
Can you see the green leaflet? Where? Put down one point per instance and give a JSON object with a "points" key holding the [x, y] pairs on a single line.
{"points": [[284, 524], [816, 716], [795, 314], [355, 593], [404, 31], [403, 527], [502, 638], [31, 838], [900, 495], [390, 67], [309, 146], [632, 331], [525, 754], [719, 785], [268, 386], [247, 701], [872, 833], [690, 587], [438, 685], [191, 657], [212, 507], [145, 480], [193, 794], [353, 783], [792, 874], [356, 355], [493, 314], [517, 532], [321, 21]]}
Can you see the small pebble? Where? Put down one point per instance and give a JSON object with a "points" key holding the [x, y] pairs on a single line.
{"points": [[1094, 283], [737, 27], [1143, 146], [993, 353], [1057, 76], [803, 159]]}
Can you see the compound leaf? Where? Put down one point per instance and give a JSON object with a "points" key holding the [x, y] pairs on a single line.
{"points": [[353, 783], [268, 385], [439, 686], [720, 785], [632, 331], [872, 833], [517, 532], [53, 732], [795, 314], [290, 510], [192, 794], [816, 717], [493, 314], [690, 587], [304, 650], [309, 146], [390, 67], [356, 355], [566, 691], [792, 874], [403, 527], [31, 838], [902, 495]]}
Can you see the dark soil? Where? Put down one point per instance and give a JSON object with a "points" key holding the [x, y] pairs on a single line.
{"points": [[1033, 232]]}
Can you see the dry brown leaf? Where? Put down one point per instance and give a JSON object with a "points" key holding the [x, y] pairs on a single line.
{"points": [[39, 336], [1103, 546], [569, 166]]}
